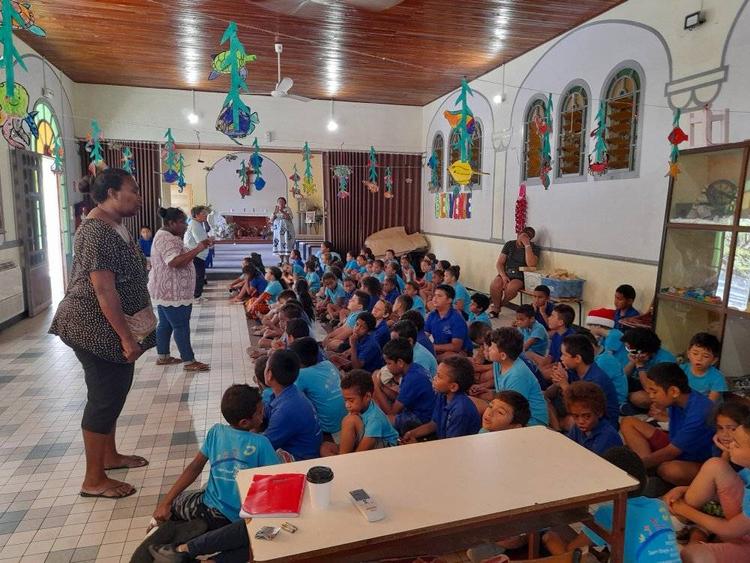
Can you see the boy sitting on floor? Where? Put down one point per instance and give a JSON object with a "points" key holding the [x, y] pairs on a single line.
{"points": [[703, 376], [412, 290], [422, 356], [341, 334], [321, 384], [624, 297], [577, 364], [560, 323], [601, 323], [228, 449], [644, 351], [446, 325], [478, 309], [675, 456], [542, 305], [507, 410], [365, 427], [454, 413], [291, 423], [418, 321], [535, 338], [585, 403], [364, 351], [415, 400]]}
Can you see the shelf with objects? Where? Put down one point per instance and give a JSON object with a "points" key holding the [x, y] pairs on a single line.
{"points": [[703, 282]]}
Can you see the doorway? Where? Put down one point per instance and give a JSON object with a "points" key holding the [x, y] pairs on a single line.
{"points": [[53, 231]]}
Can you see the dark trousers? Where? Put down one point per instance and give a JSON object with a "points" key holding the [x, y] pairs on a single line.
{"points": [[200, 276], [107, 386], [231, 540]]}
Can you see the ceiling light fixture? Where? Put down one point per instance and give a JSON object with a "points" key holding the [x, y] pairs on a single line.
{"points": [[193, 117], [500, 98], [332, 125]]}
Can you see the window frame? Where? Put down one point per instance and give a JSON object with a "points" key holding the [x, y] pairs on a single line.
{"points": [[442, 168], [585, 131], [536, 98], [636, 145]]}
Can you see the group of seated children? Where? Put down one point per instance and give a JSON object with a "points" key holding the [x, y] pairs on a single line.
{"points": [[410, 357]]}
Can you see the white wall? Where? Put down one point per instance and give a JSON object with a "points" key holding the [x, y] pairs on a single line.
{"points": [[146, 113], [607, 231]]}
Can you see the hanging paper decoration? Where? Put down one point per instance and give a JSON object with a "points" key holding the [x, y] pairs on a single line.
{"points": [[295, 178], [521, 209], [244, 173], [372, 182], [544, 129], [11, 17], [342, 172], [127, 160], [453, 206], [388, 183], [169, 156], [181, 174], [308, 184], [58, 166], [236, 120], [599, 159], [256, 161], [676, 137], [220, 65], [434, 184], [28, 20], [18, 124], [94, 147], [462, 121]]}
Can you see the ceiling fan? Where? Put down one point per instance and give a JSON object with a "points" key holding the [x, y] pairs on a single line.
{"points": [[283, 85], [303, 7]]}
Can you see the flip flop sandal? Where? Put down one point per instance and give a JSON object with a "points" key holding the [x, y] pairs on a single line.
{"points": [[168, 361], [101, 494], [197, 366], [138, 462]]}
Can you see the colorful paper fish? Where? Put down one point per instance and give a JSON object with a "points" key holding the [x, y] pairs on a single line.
{"points": [[461, 172], [18, 105], [295, 178], [371, 186], [247, 123], [15, 134], [28, 21], [31, 123], [220, 64], [454, 118]]}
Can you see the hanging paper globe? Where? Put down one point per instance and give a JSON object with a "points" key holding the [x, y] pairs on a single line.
{"points": [[260, 183], [170, 176]]}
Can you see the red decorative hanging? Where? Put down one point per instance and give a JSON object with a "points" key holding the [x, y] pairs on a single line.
{"points": [[522, 206]]}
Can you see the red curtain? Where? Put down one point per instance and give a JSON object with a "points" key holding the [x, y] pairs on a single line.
{"points": [[147, 163], [350, 220]]}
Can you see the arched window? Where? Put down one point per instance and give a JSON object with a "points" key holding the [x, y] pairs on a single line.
{"points": [[571, 146], [532, 141], [438, 149], [475, 155], [48, 129], [623, 95]]}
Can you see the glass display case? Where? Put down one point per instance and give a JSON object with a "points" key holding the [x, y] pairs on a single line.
{"points": [[704, 270]]}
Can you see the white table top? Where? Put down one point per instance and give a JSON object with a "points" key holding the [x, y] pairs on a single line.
{"points": [[437, 483]]}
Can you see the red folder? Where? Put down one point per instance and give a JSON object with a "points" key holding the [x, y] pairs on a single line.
{"points": [[274, 496]]}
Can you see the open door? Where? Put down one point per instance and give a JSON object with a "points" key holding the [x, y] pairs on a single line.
{"points": [[29, 198]]}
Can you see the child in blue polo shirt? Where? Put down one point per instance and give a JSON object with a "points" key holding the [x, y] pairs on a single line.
{"points": [[462, 300], [365, 427], [586, 404], [504, 348], [311, 275], [535, 338], [259, 370], [542, 305], [649, 535], [678, 455], [446, 325], [291, 423], [412, 290], [644, 351], [390, 289], [407, 329], [402, 304], [321, 384], [350, 266], [392, 270], [364, 351], [454, 414], [415, 400], [719, 480], [382, 313], [419, 321], [333, 296], [601, 323], [228, 449], [624, 297], [577, 364], [703, 376], [478, 309], [378, 271], [357, 304], [560, 323], [507, 410]]}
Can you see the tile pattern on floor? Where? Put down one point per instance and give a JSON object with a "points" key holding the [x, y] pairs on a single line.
{"points": [[42, 395]]}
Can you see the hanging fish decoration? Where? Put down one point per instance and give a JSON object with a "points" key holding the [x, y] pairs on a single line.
{"points": [[127, 160], [675, 137], [599, 159], [244, 175], [181, 174], [308, 183], [94, 147], [432, 163], [58, 167], [256, 161], [388, 183], [545, 129], [169, 156], [220, 65], [26, 20], [295, 178], [342, 173]]}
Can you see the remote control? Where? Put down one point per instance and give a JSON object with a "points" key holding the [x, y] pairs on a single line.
{"points": [[366, 505]]}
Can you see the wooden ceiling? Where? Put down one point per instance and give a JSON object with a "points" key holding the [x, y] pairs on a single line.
{"points": [[408, 54]]}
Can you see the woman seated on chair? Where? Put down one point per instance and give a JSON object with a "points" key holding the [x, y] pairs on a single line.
{"points": [[509, 280]]}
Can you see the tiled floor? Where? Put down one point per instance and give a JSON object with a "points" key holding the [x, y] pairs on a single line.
{"points": [[42, 394]]}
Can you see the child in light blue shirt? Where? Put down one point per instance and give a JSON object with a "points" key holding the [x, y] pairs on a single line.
{"points": [[229, 449], [703, 376], [312, 277], [412, 290], [478, 309], [321, 383], [462, 301], [535, 337]]}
